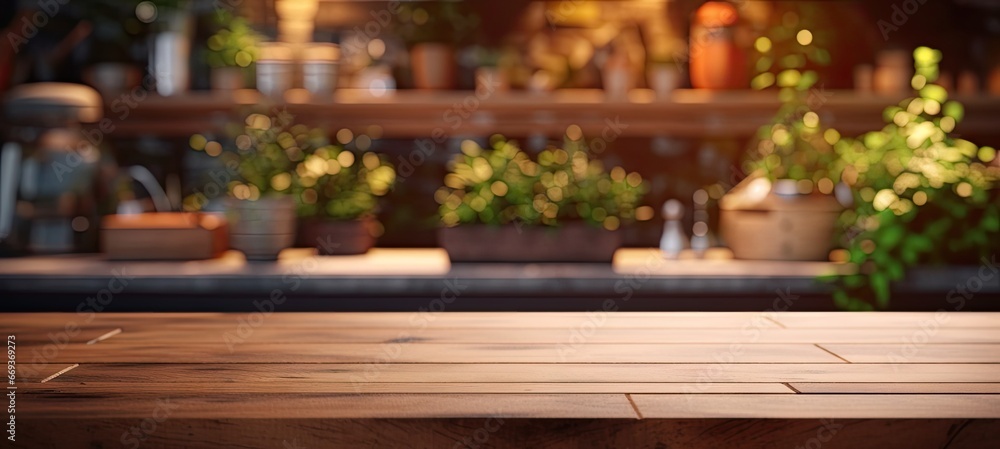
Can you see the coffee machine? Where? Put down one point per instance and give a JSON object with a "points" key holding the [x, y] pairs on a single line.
{"points": [[52, 174]]}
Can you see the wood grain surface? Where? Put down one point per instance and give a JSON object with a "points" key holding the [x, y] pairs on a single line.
{"points": [[697, 380]]}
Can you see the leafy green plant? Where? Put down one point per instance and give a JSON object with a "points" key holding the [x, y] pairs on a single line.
{"points": [[336, 183], [921, 195], [502, 184], [275, 156], [436, 21], [794, 145], [788, 48], [234, 44]]}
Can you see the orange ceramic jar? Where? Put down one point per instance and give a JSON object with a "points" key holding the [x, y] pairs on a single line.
{"points": [[716, 61]]}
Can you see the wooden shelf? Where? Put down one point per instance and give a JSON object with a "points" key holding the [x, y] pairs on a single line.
{"points": [[426, 114]]}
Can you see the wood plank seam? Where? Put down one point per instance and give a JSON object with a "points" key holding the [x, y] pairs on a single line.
{"points": [[635, 408], [832, 353]]}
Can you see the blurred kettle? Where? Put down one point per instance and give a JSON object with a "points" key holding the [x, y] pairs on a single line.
{"points": [[50, 172]]}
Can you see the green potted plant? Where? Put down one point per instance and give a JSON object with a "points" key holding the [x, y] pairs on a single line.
{"points": [[231, 51], [921, 196], [431, 30], [784, 209], [337, 191], [500, 204], [262, 210]]}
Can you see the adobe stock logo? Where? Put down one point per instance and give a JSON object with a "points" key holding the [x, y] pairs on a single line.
{"points": [[900, 15], [31, 24]]}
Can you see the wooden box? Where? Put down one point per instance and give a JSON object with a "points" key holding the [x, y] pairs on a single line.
{"points": [[164, 236]]}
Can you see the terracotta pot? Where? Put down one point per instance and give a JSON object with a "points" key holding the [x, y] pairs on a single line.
{"points": [[779, 227], [433, 66], [262, 228], [226, 79], [576, 242], [337, 238]]}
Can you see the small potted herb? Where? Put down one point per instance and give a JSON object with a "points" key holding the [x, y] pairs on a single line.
{"points": [[262, 209], [431, 30], [231, 51], [500, 204], [338, 191]]}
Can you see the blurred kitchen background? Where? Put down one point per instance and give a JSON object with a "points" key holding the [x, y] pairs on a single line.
{"points": [[672, 89]]}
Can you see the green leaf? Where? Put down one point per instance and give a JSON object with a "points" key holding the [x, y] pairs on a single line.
{"points": [[890, 236], [937, 228], [894, 270], [880, 285], [954, 110], [854, 280], [840, 300]]}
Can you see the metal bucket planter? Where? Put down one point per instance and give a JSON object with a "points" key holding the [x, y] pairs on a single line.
{"points": [[262, 228], [575, 242], [774, 226], [337, 237]]}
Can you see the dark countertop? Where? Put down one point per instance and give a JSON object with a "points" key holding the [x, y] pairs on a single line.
{"points": [[411, 279]]}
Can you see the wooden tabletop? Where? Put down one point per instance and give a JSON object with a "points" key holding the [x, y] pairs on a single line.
{"points": [[434, 379]]}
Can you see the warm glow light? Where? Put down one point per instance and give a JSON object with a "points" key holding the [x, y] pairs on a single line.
{"points": [[499, 188], [345, 136], [805, 37], [378, 88], [947, 124], [810, 119], [345, 158], [281, 181], [197, 142], [987, 154], [762, 44], [145, 12], [964, 189], [376, 48], [363, 142], [213, 148], [574, 133], [825, 186], [831, 136], [644, 213]]}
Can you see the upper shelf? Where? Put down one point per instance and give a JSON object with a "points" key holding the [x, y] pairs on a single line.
{"points": [[426, 114]]}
